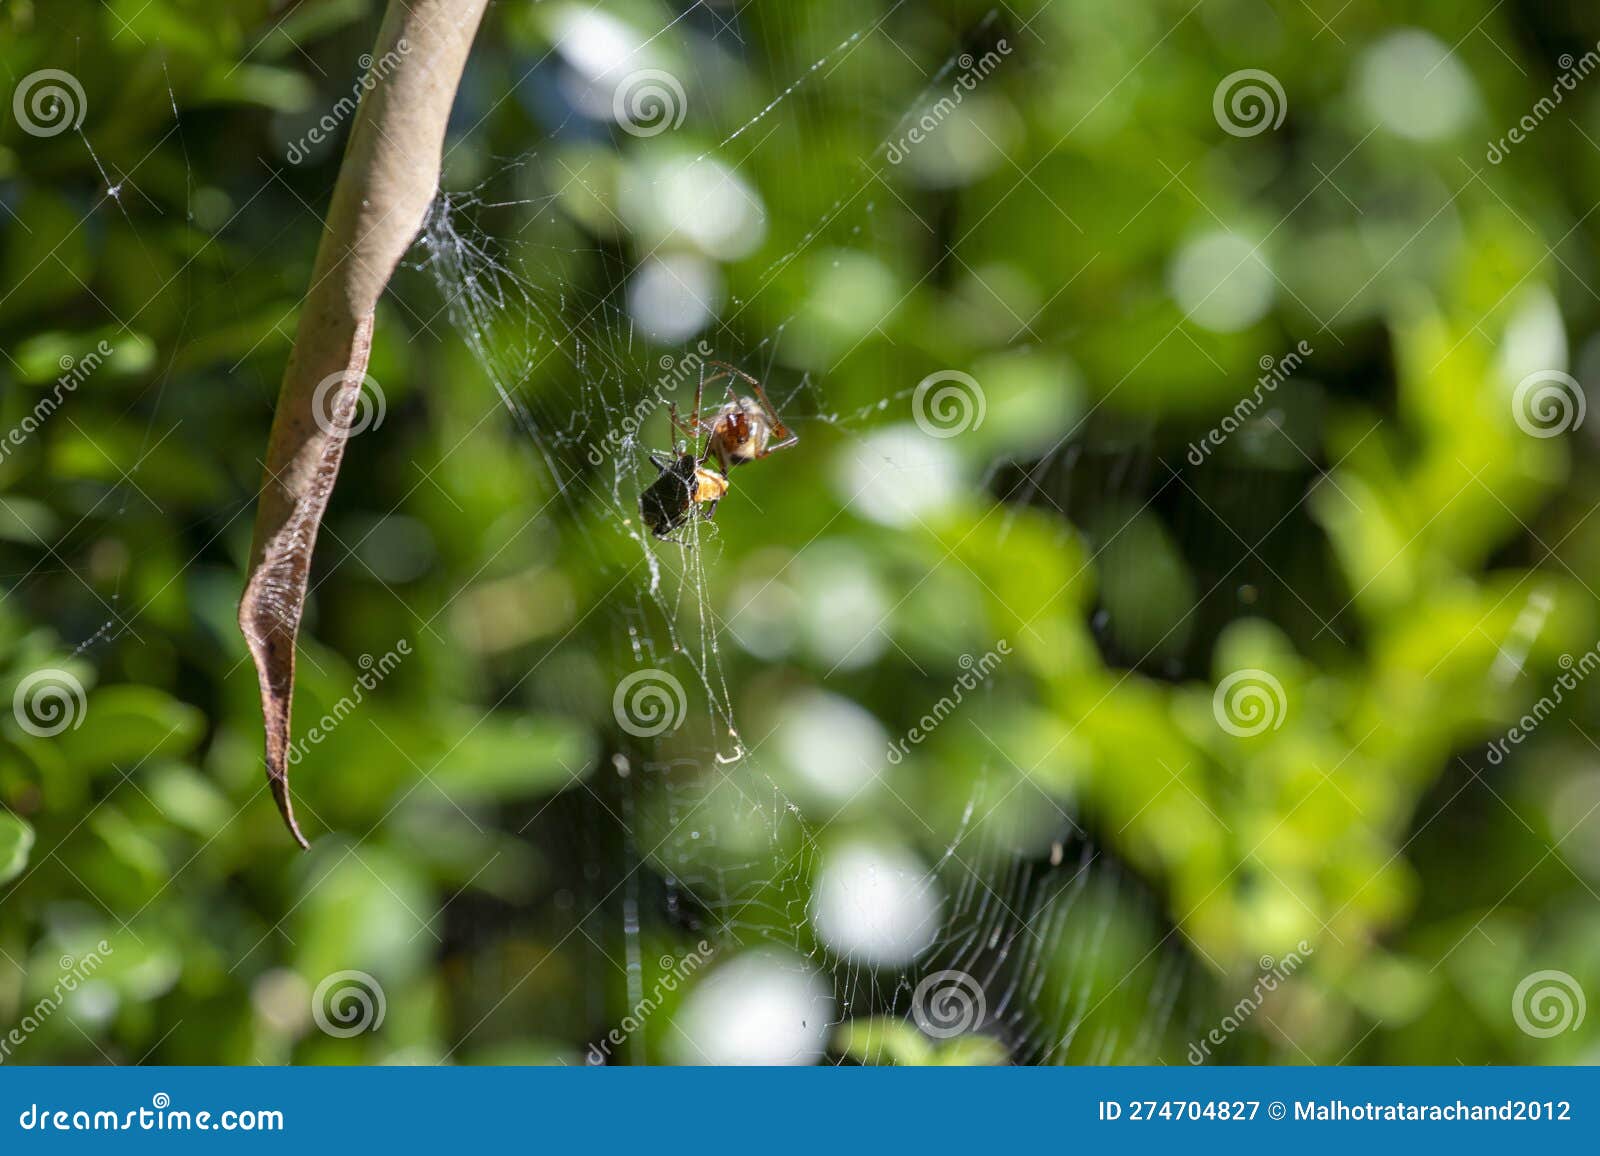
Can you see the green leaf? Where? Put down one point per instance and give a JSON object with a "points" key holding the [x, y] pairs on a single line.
{"points": [[971, 1051], [71, 357], [16, 840], [363, 908], [883, 1040], [520, 757], [280, 89], [123, 725]]}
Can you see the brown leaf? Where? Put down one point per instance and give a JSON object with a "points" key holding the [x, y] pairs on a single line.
{"points": [[388, 179], [275, 595]]}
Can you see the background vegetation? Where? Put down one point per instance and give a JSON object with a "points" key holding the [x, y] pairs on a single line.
{"points": [[1382, 537]]}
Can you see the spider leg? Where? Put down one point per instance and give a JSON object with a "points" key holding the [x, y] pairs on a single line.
{"points": [[733, 369], [659, 462], [694, 418], [716, 377], [786, 436], [679, 426]]}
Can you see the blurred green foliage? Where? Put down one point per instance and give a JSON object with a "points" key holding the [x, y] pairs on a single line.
{"points": [[1382, 538]]}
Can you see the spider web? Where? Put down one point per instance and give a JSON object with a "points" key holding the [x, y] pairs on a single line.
{"points": [[1054, 941], [701, 829]]}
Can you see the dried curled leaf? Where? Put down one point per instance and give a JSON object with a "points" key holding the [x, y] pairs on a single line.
{"points": [[388, 179], [275, 595]]}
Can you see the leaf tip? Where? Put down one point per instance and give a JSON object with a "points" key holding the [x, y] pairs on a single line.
{"points": [[280, 795]]}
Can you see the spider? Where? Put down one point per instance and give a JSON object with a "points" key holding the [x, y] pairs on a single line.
{"points": [[741, 430]]}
